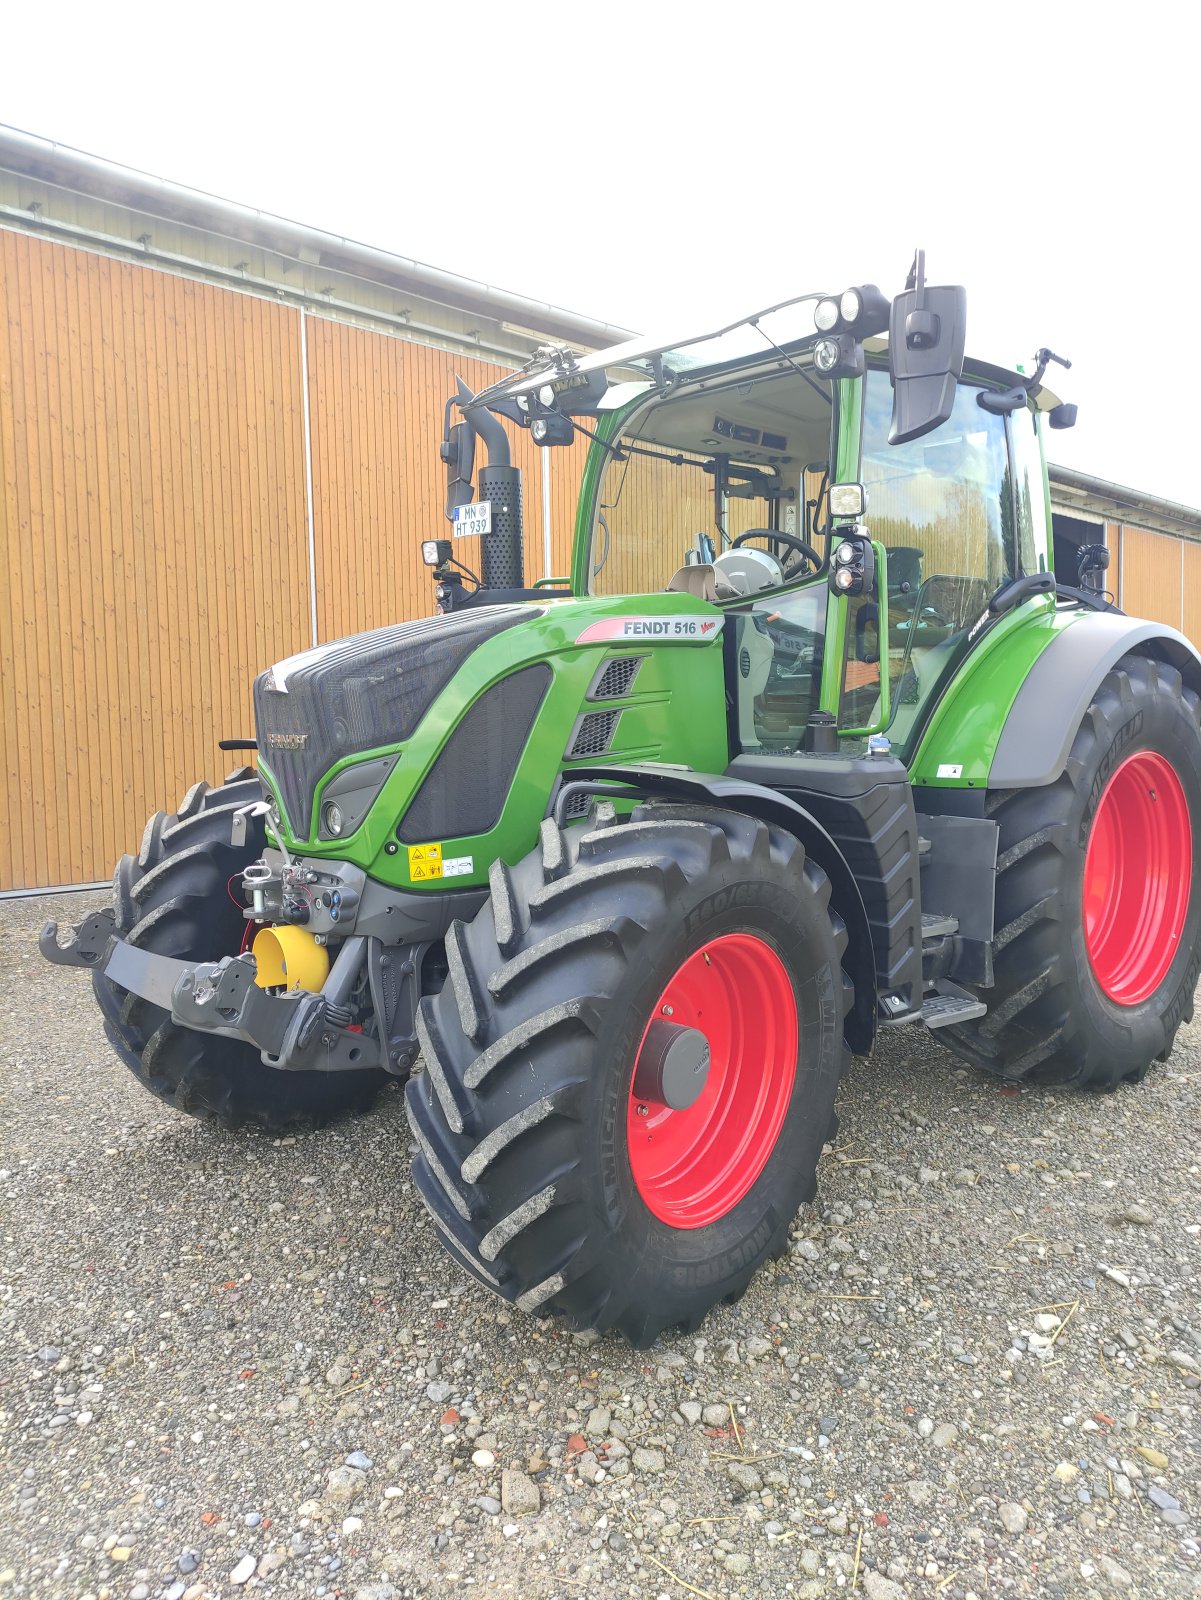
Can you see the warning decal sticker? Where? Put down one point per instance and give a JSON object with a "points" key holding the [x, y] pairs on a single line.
{"points": [[426, 861]]}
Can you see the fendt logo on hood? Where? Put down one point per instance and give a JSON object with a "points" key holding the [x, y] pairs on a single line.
{"points": [[668, 630], [287, 741]]}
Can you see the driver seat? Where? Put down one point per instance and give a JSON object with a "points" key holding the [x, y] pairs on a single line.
{"points": [[699, 580]]}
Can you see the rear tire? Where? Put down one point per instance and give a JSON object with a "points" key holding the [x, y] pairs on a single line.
{"points": [[176, 898], [526, 1125], [1091, 1002]]}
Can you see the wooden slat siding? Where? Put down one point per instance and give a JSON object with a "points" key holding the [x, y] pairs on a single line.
{"points": [[1191, 625], [1113, 543], [152, 542], [376, 405], [1151, 585]]}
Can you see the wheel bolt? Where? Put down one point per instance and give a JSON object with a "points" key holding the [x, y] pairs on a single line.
{"points": [[643, 1111], [669, 1011]]}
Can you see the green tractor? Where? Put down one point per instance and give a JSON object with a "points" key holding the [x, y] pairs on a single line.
{"points": [[812, 742]]}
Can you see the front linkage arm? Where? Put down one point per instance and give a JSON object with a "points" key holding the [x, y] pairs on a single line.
{"points": [[296, 1032]]}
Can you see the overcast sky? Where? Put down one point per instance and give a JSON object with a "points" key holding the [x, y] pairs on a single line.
{"points": [[664, 165]]}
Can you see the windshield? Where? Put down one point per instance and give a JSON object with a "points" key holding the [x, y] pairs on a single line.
{"points": [[726, 478]]}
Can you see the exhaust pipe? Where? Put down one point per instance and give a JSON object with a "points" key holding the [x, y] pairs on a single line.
{"points": [[502, 552]]}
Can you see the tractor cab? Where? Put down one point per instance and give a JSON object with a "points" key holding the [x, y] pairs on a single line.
{"points": [[708, 472]]}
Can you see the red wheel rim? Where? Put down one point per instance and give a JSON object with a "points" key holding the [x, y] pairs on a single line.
{"points": [[1138, 873], [694, 1165]]}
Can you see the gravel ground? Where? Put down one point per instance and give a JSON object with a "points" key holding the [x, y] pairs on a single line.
{"points": [[230, 1365]]}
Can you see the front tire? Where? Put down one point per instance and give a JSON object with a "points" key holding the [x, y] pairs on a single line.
{"points": [[535, 1117], [1098, 909], [176, 898]]}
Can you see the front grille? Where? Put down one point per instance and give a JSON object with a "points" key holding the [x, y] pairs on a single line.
{"points": [[615, 678], [464, 791], [593, 734], [359, 694]]}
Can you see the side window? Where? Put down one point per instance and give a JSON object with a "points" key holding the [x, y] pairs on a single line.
{"points": [[778, 667], [1029, 481], [942, 506]]}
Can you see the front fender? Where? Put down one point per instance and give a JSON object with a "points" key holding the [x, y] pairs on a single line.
{"points": [[736, 794]]}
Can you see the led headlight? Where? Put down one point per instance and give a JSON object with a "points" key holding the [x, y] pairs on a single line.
{"points": [[331, 818], [844, 578], [847, 499], [435, 551], [825, 316], [546, 395], [850, 305], [845, 553], [826, 353], [523, 402]]}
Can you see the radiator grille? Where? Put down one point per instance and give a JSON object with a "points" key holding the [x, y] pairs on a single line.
{"points": [[593, 734], [361, 693], [465, 790], [615, 678]]}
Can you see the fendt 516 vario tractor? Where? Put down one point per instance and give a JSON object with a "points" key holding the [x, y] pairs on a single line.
{"points": [[814, 741]]}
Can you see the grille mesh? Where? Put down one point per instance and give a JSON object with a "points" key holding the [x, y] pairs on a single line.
{"points": [[594, 734], [364, 692], [464, 791], [615, 678]]}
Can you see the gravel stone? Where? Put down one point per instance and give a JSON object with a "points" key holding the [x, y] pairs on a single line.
{"points": [[691, 1411], [877, 1587], [1113, 1573], [518, 1494], [360, 1460], [243, 1572], [1014, 1518], [745, 1476], [345, 1484], [646, 1460]]}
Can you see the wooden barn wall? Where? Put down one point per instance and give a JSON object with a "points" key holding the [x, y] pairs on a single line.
{"points": [[151, 542]]}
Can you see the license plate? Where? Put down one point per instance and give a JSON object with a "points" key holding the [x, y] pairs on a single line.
{"points": [[472, 520]]}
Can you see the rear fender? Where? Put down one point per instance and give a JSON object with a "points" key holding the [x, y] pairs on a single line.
{"points": [[1008, 717], [734, 794], [1042, 722]]}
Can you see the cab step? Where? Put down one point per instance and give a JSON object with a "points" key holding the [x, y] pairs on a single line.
{"points": [[945, 1003], [936, 925]]}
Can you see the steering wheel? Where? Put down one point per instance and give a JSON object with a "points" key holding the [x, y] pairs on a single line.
{"points": [[794, 545]]}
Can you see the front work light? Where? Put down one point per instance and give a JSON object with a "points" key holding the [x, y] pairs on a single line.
{"points": [[840, 355], [861, 311], [435, 551], [331, 818], [552, 430], [848, 500]]}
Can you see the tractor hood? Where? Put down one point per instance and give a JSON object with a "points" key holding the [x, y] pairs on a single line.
{"points": [[371, 690]]}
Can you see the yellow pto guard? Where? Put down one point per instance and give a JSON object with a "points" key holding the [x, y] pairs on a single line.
{"points": [[289, 958]]}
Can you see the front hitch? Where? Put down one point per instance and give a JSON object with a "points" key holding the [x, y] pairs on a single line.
{"points": [[296, 1032]]}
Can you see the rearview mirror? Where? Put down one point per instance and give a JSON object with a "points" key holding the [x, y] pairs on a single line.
{"points": [[926, 333], [458, 452]]}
